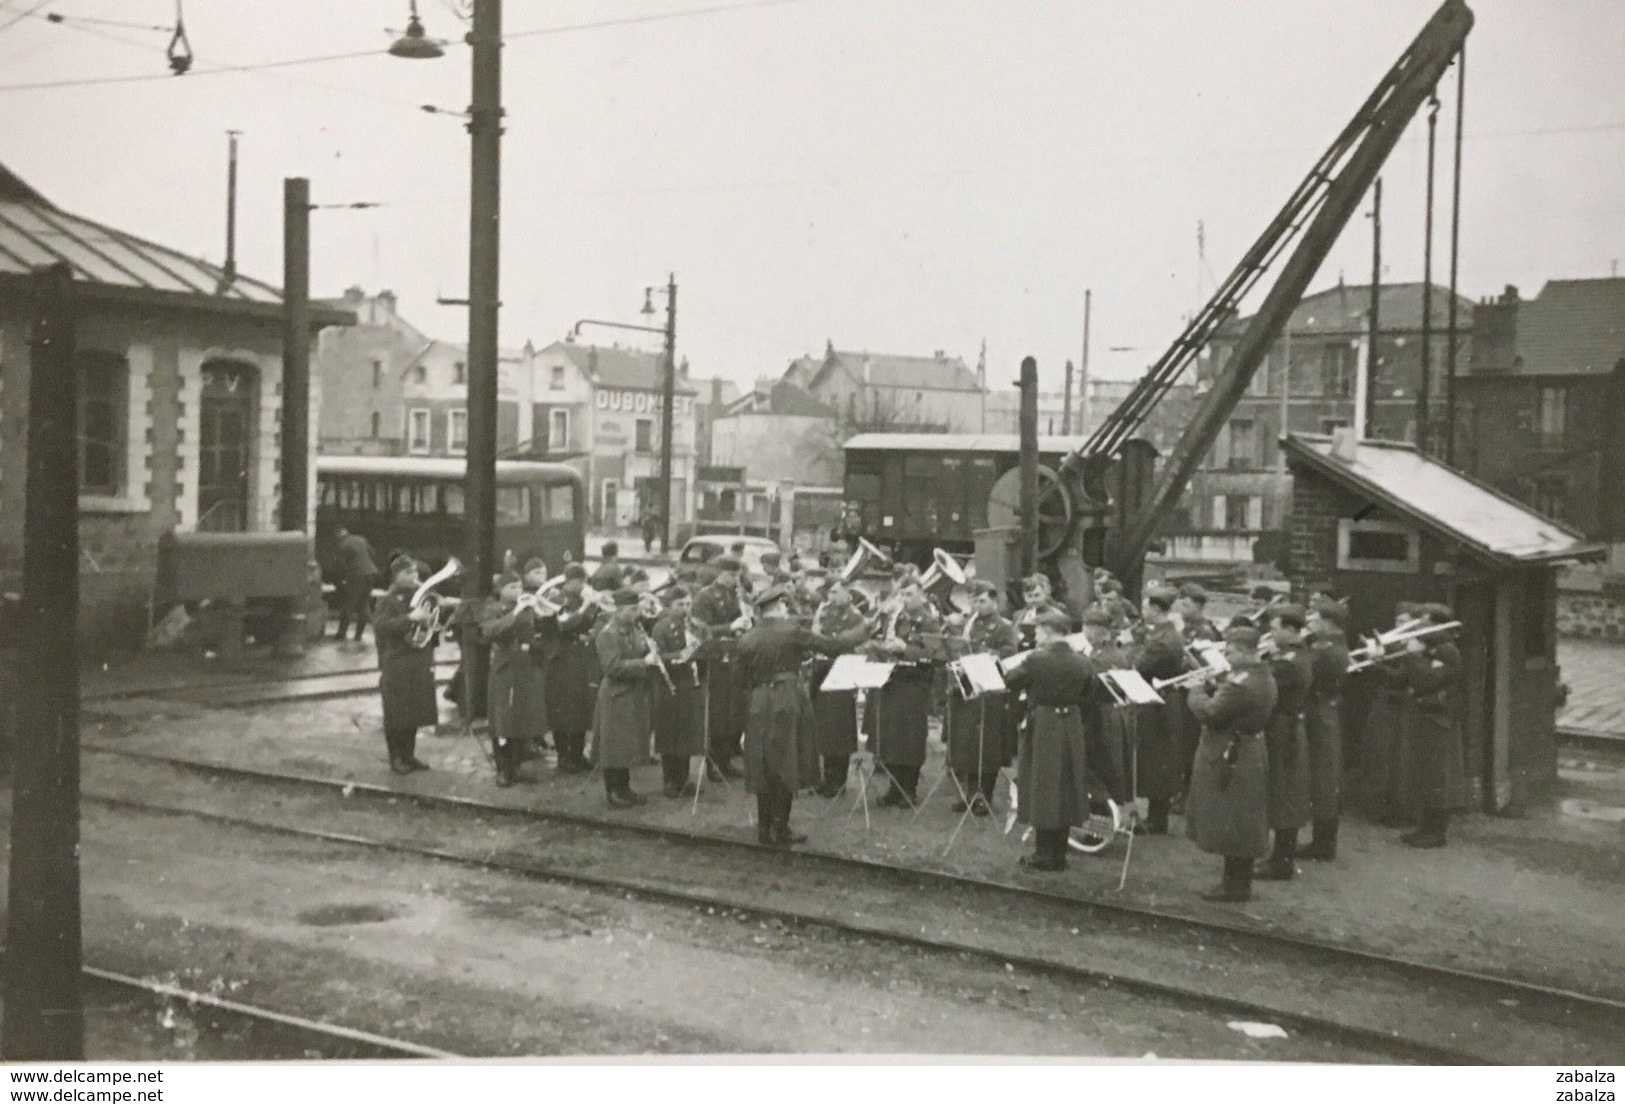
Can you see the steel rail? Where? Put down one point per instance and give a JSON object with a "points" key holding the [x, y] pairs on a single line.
{"points": [[1307, 1023]]}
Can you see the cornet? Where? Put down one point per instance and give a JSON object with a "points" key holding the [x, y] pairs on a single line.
{"points": [[430, 607], [537, 604]]}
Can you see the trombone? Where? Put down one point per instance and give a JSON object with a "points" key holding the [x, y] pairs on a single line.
{"points": [[1391, 645]]}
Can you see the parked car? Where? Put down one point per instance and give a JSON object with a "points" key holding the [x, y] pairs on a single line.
{"points": [[693, 563]]}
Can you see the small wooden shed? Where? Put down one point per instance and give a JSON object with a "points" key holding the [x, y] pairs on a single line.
{"points": [[1385, 524]]}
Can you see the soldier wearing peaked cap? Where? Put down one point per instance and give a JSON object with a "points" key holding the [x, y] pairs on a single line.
{"points": [[1386, 777], [1160, 654], [781, 756], [1225, 811], [835, 712], [977, 729], [517, 687], [622, 723], [679, 709], [1287, 740]]}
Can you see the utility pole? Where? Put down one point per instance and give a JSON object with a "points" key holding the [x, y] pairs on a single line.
{"points": [[1066, 403], [669, 399], [230, 267], [1373, 321], [295, 506], [1028, 382], [484, 255], [1424, 384], [1286, 394], [1455, 257], [44, 1010], [1083, 368]]}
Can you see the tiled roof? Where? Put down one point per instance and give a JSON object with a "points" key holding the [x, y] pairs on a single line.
{"points": [[610, 366], [939, 373], [1439, 498], [34, 233], [1343, 310], [1573, 327]]}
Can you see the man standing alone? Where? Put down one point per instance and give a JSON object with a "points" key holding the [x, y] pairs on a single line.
{"points": [[354, 570]]}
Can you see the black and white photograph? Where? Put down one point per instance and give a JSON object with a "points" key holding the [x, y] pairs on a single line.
{"points": [[930, 546]]}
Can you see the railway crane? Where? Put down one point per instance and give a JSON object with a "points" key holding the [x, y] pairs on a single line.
{"points": [[1103, 504]]}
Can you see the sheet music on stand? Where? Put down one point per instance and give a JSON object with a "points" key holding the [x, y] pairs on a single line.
{"points": [[981, 671], [1130, 688], [856, 672]]}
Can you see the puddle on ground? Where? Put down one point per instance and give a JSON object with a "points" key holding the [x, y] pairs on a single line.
{"points": [[338, 916]]}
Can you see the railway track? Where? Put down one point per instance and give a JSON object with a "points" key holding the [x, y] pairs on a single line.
{"points": [[254, 1033], [1428, 1012], [242, 693]]}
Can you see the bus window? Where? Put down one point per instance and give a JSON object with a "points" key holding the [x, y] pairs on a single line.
{"points": [[513, 506], [559, 502], [349, 495], [415, 498], [324, 491], [451, 496]]}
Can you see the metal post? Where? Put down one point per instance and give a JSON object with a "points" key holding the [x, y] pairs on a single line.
{"points": [[668, 396], [1066, 403], [1029, 466], [1286, 394], [44, 1012], [1083, 368], [295, 354], [484, 255], [1373, 324], [1424, 383], [1455, 257], [230, 267]]}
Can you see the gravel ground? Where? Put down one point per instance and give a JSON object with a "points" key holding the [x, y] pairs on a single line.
{"points": [[1537, 898], [486, 963]]}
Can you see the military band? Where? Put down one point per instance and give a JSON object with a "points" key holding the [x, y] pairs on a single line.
{"points": [[1254, 744]]}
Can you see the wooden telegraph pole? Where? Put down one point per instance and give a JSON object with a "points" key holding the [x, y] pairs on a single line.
{"points": [[1028, 557], [44, 1012]]}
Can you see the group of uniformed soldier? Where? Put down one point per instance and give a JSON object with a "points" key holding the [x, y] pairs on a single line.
{"points": [[1251, 758]]}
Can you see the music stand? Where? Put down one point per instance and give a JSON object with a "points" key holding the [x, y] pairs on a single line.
{"points": [[1129, 692], [709, 650], [859, 674], [954, 647]]}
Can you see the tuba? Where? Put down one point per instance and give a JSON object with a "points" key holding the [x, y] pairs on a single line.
{"points": [[866, 558], [425, 599], [941, 577]]}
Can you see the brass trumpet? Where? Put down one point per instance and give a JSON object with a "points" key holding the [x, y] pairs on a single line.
{"points": [[539, 605], [1391, 645]]}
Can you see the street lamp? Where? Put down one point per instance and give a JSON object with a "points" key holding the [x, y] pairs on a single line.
{"points": [[668, 389], [484, 238]]}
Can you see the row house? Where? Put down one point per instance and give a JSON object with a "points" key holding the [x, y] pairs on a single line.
{"points": [[1540, 413], [1241, 494], [179, 376], [598, 408], [886, 392]]}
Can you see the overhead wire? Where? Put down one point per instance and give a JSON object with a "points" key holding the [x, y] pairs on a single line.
{"points": [[22, 15]]}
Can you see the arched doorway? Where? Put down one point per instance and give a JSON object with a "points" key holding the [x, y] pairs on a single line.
{"points": [[224, 451]]}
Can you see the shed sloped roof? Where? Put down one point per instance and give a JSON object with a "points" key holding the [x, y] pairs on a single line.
{"points": [[34, 233], [1573, 327], [1440, 498]]}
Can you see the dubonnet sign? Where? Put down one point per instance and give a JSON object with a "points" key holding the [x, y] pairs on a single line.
{"points": [[640, 402]]}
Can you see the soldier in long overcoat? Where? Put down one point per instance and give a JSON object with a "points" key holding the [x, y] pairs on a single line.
{"points": [[1190, 611], [898, 716], [1052, 767], [623, 721], [1287, 740], [679, 709], [1323, 722], [1431, 671], [1159, 653], [516, 687], [1225, 811], [835, 712], [978, 743], [781, 755], [1383, 784], [1109, 737], [718, 607], [406, 672], [572, 674]]}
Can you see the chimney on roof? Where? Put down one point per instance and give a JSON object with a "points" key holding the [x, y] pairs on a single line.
{"points": [[829, 346], [939, 355], [1510, 295], [354, 294], [592, 360], [682, 369], [387, 298]]}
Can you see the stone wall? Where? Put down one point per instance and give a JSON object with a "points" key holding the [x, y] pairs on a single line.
{"points": [[1591, 605]]}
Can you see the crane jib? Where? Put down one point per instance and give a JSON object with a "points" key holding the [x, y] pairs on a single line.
{"points": [[1313, 217]]}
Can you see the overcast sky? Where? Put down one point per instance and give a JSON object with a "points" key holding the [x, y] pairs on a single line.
{"points": [[894, 175]]}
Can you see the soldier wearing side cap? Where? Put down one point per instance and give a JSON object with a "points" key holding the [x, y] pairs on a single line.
{"points": [[718, 607], [406, 672], [1287, 740], [573, 673], [898, 714], [1431, 674], [1108, 737], [1225, 811], [1160, 654], [977, 729], [835, 712], [678, 708], [781, 755], [1190, 612], [516, 688], [1323, 721]]}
